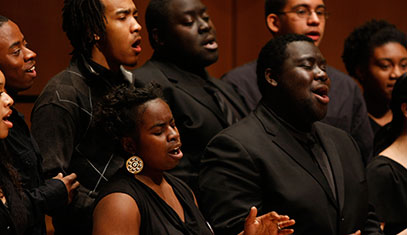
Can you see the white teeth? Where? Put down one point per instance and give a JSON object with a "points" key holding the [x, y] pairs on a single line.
{"points": [[32, 69]]}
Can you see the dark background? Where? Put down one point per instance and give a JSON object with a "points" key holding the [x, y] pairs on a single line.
{"points": [[240, 27]]}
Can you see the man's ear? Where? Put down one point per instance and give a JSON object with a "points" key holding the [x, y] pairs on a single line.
{"points": [[270, 80], [158, 40], [273, 23], [128, 145], [404, 109], [360, 74]]}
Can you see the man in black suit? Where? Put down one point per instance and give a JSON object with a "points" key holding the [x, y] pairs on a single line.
{"points": [[346, 109], [184, 42], [282, 158]]}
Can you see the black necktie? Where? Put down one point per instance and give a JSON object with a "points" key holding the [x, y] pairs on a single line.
{"points": [[322, 160], [220, 99]]}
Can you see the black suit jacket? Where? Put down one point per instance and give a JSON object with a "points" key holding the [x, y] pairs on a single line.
{"points": [[257, 162], [197, 115]]}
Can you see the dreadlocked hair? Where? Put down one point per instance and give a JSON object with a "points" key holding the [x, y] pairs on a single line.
{"points": [[82, 20]]}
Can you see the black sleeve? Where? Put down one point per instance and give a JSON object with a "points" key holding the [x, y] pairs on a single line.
{"points": [[49, 197], [228, 187]]}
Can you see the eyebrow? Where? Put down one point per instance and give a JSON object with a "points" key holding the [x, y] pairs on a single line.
{"points": [[308, 6], [193, 11], [15, 44], [157, 125], [161, 124], [126, 11]]}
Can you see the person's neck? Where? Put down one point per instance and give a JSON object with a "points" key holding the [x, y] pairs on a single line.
{"points": [[376, 106], [99, 58], [284, 112], [181, 63], [151, 178]]}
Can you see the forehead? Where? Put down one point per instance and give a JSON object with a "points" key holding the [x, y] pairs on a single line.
{"points": [[9, 34], [155, 110], [309, 3], [185, 6], [115, 6], [302, 50], [389, 50]]}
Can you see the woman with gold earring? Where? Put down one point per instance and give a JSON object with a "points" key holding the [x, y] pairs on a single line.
{"points": [[143, 199]]}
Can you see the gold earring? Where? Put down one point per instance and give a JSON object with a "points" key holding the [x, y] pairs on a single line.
{"points": [[96, 37], [134, 165]]}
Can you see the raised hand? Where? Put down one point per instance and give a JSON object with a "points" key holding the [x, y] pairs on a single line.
{"points": [[268, 224]]}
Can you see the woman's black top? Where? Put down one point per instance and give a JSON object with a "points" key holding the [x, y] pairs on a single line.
{"points": [[157, 217], [387, 184], [6, 224]]}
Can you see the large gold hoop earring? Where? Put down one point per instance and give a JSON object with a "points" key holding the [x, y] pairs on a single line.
{"points": [[134, 165]]}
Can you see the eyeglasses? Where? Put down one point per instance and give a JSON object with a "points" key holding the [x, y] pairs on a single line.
{"points": [[304, 12]]}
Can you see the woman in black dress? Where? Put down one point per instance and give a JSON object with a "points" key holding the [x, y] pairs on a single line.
{"points": [[387, 173], [143, 199]]}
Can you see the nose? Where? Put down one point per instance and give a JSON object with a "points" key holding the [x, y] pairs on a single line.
{"points": [[29, 54], [135, 26], [204, 25], [8, 101], [313, 18], [173, 135], [397, 72], [320, 74]]}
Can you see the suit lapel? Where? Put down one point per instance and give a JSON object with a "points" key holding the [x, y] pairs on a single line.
{"points": [[292, 148], [335, 162]]}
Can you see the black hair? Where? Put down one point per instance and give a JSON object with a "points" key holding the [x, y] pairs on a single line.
{"points": [[389, 133], [273, 55], [274, 6], [156, 17], [118, 113], [11, 187], [81, 21], [3, 20], [360, 44]]}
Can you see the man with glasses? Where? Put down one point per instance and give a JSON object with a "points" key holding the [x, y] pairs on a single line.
{"points": [[346, 110]]}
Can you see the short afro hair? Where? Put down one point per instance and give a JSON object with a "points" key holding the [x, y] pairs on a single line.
{"points": [[360, 44], [3, 20], [273, 55], [118, 113], [274, 6]]}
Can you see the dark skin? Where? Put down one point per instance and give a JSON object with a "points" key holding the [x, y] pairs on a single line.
{"points": [[301, 90], [188, 37], [158, 142], [17, 62], [386, 64]]}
